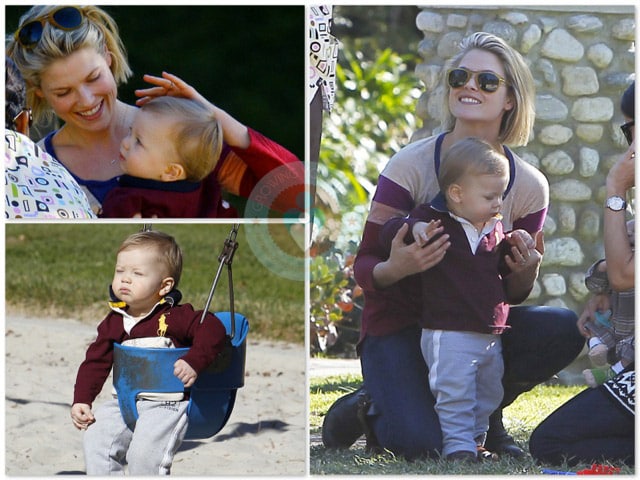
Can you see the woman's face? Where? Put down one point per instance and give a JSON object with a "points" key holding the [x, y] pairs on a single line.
{"points": [[470, 103], [81, 89]]}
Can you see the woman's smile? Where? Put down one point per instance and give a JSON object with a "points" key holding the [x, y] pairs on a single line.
{"points": [[93, 113]]}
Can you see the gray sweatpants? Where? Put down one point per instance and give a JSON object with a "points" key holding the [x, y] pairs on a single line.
{"points": [[465, 376], [148, 450]]}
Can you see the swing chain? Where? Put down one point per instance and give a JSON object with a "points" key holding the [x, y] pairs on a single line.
{"points": [[230, 246]]}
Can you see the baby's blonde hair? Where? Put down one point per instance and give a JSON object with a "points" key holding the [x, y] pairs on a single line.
{"points": [[470, 156], [98, 31], [168, 250], [197, 136]]}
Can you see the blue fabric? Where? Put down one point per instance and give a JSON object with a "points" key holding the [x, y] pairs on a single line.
{"points": [[540, 342], [99, 188], [588, 428]]}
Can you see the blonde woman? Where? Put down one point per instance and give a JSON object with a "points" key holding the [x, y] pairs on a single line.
{"points": [[73, 61], [489, 94]]}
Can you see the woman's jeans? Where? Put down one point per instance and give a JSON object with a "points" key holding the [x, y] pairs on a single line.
{"points": [[541, 342], [588, 428]]}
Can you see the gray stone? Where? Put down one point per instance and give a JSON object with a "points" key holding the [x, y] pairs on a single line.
{"points": [[579, 81], [567, 218], [585, 24], [430, 22], [625, 30], [589, 161], [554, 284], [561, 45], [570, 190], [600, 55], [599, 109], [449, 44], [589, 225], [563, 251], [555, 135], [550, 108], [530, 37], [558, 162], [590, 132]]}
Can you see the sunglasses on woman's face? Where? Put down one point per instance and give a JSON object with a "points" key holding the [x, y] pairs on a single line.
{"points": [[64, 18], [487, 81], [626, 131]]}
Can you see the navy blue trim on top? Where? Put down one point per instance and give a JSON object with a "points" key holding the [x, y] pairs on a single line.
{"points": [[98, 188], [508, 153]]}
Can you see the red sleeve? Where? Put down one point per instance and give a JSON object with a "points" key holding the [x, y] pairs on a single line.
{"points": [[208, 340], [95, 369], [280, 173]]}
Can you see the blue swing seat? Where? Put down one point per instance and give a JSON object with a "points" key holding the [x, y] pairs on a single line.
{"points": [[212, 396]]}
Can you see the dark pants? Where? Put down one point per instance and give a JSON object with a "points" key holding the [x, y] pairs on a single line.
{"points": [[588, 428], [541, 342]]}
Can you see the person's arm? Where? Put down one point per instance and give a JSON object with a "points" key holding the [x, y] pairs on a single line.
{"points": [[251, 157], [377, 267], [95, 369], [618, 251]]}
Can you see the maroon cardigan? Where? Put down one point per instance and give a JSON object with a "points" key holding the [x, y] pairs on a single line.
{"points": [[465, 291]]}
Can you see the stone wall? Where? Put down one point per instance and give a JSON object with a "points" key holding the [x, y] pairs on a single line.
{"points": [[582, 59]]}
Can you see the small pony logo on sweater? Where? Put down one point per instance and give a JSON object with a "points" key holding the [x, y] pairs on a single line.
{"points": [[162, 326]]}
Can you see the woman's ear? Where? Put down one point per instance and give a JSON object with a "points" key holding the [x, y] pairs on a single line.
{"points": [[509, 103], [173, 172], [166, 286]]}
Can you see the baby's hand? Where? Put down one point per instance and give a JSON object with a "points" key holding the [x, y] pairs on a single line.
{"points": [[522, 236], [423, 232], [82, 416], [184, 372]]}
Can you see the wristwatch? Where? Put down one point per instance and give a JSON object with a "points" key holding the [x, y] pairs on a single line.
{"points": [[616, 203]]}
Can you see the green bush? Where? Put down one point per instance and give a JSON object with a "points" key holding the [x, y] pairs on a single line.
{"points": [[372, 119]]}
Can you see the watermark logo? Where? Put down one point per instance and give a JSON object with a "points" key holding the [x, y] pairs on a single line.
{"points": [[281, 247]]}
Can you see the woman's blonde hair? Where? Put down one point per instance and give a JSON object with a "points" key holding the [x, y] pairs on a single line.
{"points": [[98, 31], [168, 250], [197, 136], [516, 123]]}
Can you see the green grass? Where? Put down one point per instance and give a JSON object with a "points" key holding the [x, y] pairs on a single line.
{"points": [[520, 419], [64, 270]]}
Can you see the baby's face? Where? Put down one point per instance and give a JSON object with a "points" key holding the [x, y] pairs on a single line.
{"points": [[138, 278], [148, 149], [480, 197]]}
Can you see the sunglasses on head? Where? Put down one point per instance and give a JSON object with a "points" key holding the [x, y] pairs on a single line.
{"points": [[64, 18], [486, 80], [626, 131]]}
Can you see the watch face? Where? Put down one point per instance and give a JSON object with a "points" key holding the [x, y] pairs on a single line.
{"points": [[615, 203]]}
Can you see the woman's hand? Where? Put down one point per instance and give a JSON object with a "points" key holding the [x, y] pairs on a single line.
{"points": [[184, 372], [234, 132], [169, 85], [82, 416], [526, 252], [405, 260], [597, 303]]}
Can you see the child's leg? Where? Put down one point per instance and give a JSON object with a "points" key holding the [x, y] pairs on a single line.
{"points": [[106, 441], [489, 390], [452, 375], [159, 431]]}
